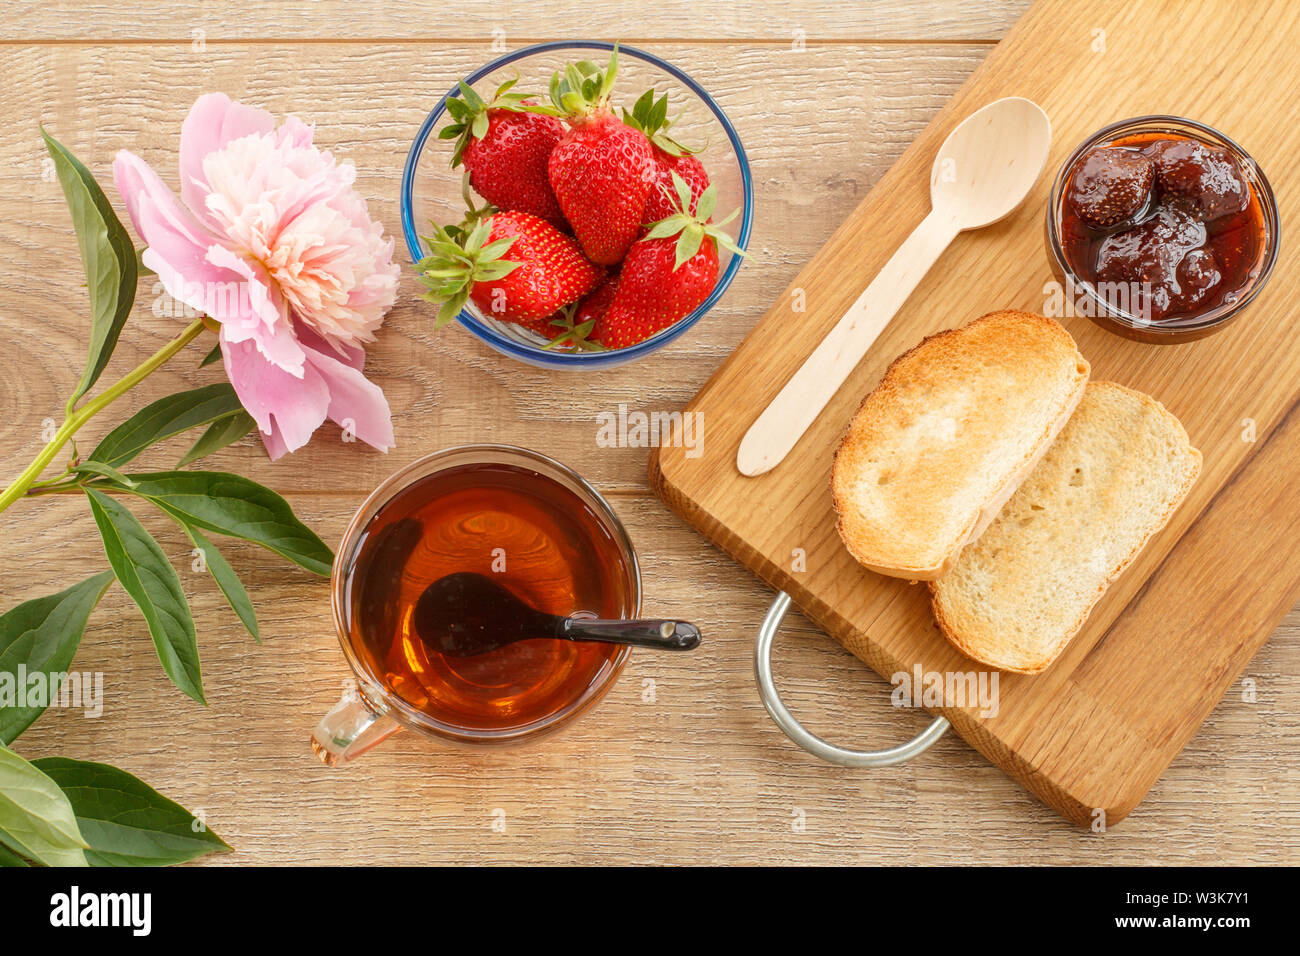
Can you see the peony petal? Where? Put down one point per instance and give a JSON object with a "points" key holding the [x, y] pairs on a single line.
{"points": [[178, 243], [287, 409], [356, 403], [274, 442], [259, 315], [180, 249], [295, 132], [213, 121], [354, 356]]}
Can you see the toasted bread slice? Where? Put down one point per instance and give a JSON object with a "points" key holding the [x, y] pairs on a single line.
{"points": [[946, 437], [1119, 469]]}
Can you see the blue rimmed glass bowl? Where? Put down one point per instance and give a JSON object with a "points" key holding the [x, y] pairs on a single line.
{"points": [[431, 189]]}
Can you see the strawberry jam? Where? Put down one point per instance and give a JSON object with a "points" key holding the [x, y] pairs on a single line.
{"points": [[1165, 226]]}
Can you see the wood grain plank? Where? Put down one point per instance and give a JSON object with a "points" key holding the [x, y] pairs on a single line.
{"points": [[773, 22]]}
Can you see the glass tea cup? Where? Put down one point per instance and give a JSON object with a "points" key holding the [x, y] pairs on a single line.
{"points": [[533, 525]]}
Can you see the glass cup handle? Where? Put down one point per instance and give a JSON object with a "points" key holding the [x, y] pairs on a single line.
{"points": [[350, 729]]}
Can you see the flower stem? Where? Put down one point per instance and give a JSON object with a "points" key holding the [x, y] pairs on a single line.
{"points": [[86, 412]]}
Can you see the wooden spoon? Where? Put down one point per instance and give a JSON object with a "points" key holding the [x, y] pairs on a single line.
{"points": [[984, 170]]}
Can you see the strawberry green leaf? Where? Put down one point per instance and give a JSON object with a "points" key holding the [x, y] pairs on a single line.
{"points": [[585, 88], [665, 228], [457, 108], [688, 245], [728, 217], [659, 113], [642, 107], [683, 192], [450, 309], [472, 100], [707, 203], [611, 72], [650, 117], [497, 248]]}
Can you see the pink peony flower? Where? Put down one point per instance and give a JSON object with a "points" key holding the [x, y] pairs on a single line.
{"points": [[271, 240]]}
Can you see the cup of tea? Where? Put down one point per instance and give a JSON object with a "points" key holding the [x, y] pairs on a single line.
{"points": [[512, 516]]}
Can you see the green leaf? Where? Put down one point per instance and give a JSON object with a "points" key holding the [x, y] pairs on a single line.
{"points": [[239, 507], [145, 573], [666, 227], [225, 576], [107, 253], [213, 356], [101, 470], [683, 193], [707, 203], [688, 245], [42, 635], [472, 99], [126, 822], [449, 310], [10, 858], [222, 432], [164, 418], [36, 818], [659, 113]]}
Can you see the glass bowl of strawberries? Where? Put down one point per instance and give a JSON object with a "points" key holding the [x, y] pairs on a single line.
{"points": [[576, 204]]}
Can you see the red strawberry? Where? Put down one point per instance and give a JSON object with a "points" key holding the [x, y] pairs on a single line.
{"points": [[570, 328], [667, 274], [545, 270], [505, 146], [597, 302], [602, 169], [545, 326], [661, 203], [650, 116]]}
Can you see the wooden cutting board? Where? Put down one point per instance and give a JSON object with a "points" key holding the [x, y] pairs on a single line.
{"points": [[1096, 730]]}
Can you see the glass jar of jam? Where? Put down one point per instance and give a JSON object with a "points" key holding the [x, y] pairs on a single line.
{"points": [[1161, 229]]}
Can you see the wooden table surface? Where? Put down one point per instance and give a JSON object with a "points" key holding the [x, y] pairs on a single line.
{"points": [[679, 764]]}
